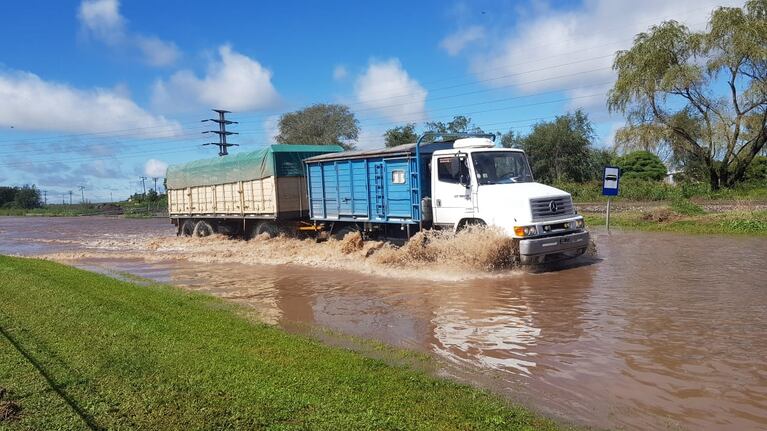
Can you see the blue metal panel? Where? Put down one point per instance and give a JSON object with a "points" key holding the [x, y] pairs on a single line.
{"points": [[397, 193], [374, 189]]}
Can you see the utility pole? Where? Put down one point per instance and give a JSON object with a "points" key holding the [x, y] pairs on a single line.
{"points": [[143, 185], [45, 197], [221, 132], [70, 197], [155, 184], [111, 200], [82, 194]]}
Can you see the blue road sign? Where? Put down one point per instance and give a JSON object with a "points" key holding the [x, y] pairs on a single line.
{"points": [[610, 181]]}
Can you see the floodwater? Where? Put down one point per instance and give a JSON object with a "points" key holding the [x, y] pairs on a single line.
{"points": [[661, 331]]}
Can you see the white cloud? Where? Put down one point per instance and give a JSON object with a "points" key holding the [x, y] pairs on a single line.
{"points": [[456, 42], [234, 82], [158, 52], [102, 20], [562, 50], [31, 103], [154, 168], [388, 89], [340, 72]]}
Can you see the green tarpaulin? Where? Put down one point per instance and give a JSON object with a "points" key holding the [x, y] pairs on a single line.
{"points": [[275, 160]]}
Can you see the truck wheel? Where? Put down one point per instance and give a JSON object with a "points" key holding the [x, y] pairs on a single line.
{"points": [[341, 233], [187, 228], [203, 229], [470, 222], [265, 227]]}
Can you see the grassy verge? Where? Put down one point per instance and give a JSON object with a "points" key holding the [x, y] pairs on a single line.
{"points": [[636, 190], [52, 211], [81, 350], [682, 220]]}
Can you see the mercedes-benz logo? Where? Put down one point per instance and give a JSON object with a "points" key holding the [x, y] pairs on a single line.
{"points": [[553, 206]]}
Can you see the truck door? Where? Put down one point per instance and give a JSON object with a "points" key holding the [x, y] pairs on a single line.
{"points": [[451, 198]]}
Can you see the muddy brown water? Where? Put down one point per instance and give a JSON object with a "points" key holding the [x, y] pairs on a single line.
{"points": [[663, 331]]}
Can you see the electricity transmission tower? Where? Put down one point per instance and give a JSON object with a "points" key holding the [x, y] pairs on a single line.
{"points": [[221, 132], [82, 194], [45, 197], [155, 184], [70, 197]]}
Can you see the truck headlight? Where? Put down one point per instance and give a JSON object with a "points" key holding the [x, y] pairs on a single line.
{"points": [[525, 230], [579, 224]]}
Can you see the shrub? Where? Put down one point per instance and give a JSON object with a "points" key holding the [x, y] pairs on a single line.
{"points": [[642, 165]]}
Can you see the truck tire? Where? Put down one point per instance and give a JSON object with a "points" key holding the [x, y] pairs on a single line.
{"points": [[470, 222], [345, 230], [203, 229], [265, 227], [187, 228]]}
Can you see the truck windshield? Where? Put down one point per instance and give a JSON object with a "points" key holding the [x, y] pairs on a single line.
{"points": [[501, 167]]}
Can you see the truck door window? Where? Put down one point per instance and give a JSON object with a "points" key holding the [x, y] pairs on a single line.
{"points": [[449, 169]]}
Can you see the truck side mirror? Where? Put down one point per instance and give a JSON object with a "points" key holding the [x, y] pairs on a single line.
{"points": [[463, 180]]}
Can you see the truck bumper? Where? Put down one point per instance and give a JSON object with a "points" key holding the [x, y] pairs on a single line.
{"points": [[540, 250]]}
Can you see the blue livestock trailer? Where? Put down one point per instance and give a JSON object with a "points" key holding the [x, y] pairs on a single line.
{"points": [[378, 191]]}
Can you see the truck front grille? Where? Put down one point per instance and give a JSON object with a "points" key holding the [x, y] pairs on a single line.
{"points": [[547, 208]]}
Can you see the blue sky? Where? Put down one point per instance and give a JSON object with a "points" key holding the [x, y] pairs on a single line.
{"points": [[100, 92]]}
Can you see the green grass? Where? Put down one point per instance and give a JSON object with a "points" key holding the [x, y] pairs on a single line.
{"points": [[734, 222], [636, 190], [52, 211], [82, 350]]}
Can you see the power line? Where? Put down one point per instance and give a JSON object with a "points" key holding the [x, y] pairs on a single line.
{"points": [[562, 42]]}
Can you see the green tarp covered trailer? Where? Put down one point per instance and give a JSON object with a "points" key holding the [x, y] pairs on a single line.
{"points": [[268, 183]]}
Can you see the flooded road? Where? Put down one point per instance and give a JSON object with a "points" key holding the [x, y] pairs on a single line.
{"points": [[662, 332]]}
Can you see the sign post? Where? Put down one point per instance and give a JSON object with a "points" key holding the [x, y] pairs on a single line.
{"points": [[610, 180]]}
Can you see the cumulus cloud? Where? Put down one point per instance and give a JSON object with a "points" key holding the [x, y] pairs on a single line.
{"points": [[456, 42], [102, 20], [158, 52], [562, 50], [155, 168], [340, 72], [386, 88], [234, 81], [31, 103]]}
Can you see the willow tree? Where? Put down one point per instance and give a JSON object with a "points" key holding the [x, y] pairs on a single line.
{"points": [[702, 92]]}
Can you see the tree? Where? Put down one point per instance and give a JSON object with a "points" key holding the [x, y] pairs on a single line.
{"points": [[560, 150], [459, 124], [510, 139], [705, 92], [757, 171], [642, 165], [400, 135], [598, 159], [25, 197], [319, 124]]}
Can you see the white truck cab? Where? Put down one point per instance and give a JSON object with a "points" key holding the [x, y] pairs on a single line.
{"points": [[478, 183]]}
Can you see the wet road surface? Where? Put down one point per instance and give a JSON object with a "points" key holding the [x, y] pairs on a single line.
{"points": [[663, 331]]}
